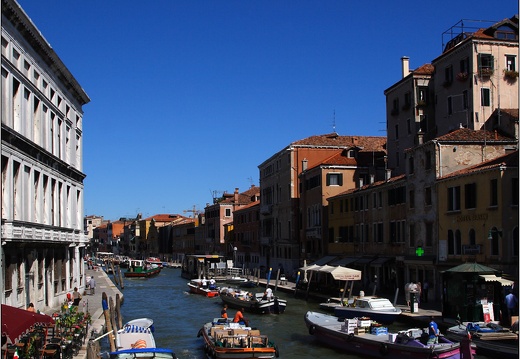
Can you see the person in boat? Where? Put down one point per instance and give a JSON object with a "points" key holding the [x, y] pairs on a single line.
{"points": [[239, 317], [268, 294], [223, 312], [433, 332], [212, 284]]}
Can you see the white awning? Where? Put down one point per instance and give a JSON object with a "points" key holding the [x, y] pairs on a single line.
{"points": [[494, 278]]}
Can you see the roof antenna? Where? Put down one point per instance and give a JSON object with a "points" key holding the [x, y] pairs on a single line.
{"points": [[334, 121]]}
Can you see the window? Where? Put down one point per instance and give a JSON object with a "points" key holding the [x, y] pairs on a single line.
{"points": [[228, 212], [493, 193], [454, 242], [465, 99], [470, 195], [410, 165], [396, 132], [510, 63], [494, 239], [450, 106], [412, 199], [454, 198], [485, 98], [464, 65], [409, 126], [422, 95], [334, 179], [428, 196], [485, 64], [427, 160], [448, 75]]}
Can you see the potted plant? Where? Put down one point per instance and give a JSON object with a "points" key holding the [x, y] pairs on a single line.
{"points": [[462, 76], [486, 71], [510, 74]]}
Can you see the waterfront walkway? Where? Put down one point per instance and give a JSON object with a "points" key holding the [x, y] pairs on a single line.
{"points": [[93, 304]]}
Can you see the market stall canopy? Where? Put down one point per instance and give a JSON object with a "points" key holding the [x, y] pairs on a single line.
{"points": [[16, 321], [494, 278], [472, 268], [338, 272], [342, 273]]}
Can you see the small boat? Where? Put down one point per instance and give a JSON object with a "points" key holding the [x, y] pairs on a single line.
{"points": [[136, 340], [156, 353], [252, 302], [488, 338], [139, 269], [133, 336], [362, 337], [204, 287], [334, 302], [223, 339], [155, 261], [379, 309]]}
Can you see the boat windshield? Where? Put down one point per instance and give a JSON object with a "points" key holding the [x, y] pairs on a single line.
{"points": [[381, 304]]}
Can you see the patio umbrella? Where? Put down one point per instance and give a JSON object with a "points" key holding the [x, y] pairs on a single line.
{"points": [[16, 321], [342, 273]]}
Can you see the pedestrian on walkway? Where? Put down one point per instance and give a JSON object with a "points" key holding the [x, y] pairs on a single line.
{"points": [[76, 297], [92, 285], [511, 302]]}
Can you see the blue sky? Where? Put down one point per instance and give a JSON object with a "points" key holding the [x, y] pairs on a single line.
{"points": [[189, 97]]}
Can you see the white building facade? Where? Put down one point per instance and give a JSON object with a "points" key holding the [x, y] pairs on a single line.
{"points": [[42, 235]]}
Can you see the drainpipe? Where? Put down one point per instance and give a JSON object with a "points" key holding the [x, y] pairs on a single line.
{"points": [[440, 157]]}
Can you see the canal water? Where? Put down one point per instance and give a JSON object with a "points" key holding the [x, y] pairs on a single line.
{"points": [[178, 316]]}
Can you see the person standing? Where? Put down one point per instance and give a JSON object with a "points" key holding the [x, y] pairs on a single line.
{"points": [[433, 332], [92, 285], [76, 297], [511, 302]]}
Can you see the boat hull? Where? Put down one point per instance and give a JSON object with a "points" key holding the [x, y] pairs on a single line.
{"points": [[328, 330], [273, 306], [502, 344], [195, 288], [142, 273], [236, 346]]}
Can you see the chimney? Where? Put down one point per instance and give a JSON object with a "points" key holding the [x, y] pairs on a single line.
{"points": [[361, 182], [405, 65], [304, 164], [388, 174], [235, 195], [372, 178]]}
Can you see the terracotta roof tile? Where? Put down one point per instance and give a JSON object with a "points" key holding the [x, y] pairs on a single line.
{"points": [[366, 143], [468, 135], [509, 160], [426, 69]]}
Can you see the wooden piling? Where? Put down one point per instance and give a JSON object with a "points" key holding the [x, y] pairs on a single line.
{"points": [[108, 322], [120, 278], [118, 311]]}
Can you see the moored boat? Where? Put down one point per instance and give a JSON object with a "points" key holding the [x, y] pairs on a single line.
{"points": [[223, 339], [203, 287], [139, 269], [154, 261], [488, 338], [252, 302], [379, 309], [136, 340], [360, 337]]}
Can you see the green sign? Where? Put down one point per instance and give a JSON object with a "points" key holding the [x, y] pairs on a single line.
{"points": [[419, 251]]}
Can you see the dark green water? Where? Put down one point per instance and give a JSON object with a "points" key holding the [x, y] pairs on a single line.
{"points": [[178, 316]]}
